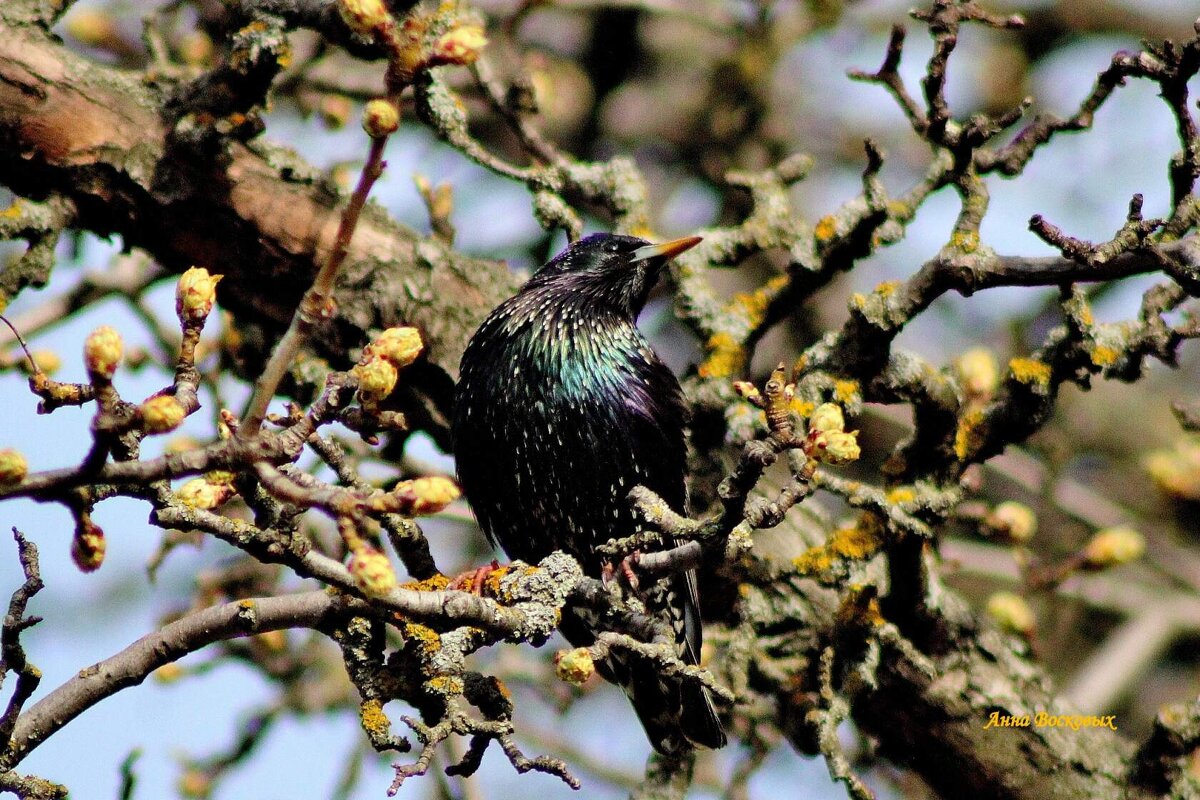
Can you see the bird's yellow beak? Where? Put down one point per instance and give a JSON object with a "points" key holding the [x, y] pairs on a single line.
{"points": [[666, 249]]}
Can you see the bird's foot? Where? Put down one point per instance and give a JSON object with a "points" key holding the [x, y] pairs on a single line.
{"points": [[626, 568], [473, 579]]}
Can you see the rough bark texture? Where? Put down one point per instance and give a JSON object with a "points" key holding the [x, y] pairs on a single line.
{"points": [[98, 140], [256, 213]]}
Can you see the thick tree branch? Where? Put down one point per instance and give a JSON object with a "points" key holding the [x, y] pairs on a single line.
{"points": [[255, 213]]}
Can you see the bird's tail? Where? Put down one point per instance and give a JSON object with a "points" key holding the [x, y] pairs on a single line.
{"points": [[676, 714]]}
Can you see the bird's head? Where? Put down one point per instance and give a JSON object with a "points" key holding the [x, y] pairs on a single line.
{"points": [[610, 269]]}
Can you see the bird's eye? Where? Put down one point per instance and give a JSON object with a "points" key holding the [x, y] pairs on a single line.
{"points": [[611, 247]]}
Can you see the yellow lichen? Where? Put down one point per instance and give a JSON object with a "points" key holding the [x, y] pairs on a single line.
{"points": [[855, 543], [374, 720], [965, 241], [887, 288], [825, 228], [725, 356], [750, 306], [860, 608], [901, 494], [845, 391], [967, 438], [860, 541], [1102, 356], [422, 636], [432, 584], [1030, 371], [814, 561], [491, 583], [802, 407], [447, 685]]}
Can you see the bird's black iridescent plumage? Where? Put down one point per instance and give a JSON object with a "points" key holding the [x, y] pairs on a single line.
{"points": [[562, 408]]}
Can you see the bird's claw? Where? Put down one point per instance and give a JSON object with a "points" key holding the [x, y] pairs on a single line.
{"points": [[473, 579], [625, 568]]}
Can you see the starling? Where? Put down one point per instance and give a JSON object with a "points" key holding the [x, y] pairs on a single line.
{"points": [[562, 407]]}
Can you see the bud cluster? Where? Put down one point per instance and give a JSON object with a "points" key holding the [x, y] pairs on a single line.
{"points": [[828, 441]]}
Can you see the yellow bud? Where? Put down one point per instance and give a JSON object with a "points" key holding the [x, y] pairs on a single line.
{"points": [[88, 546], [364, 16], [91, 26], [827, 417], [376, 378], [220, 477], [837, 447], [400, 346], [196, 48], [372, 571], [380, 118], [459, 46], [195, 294], [162, 414], [1012, 521], [1177, 471], [202, 494], [181, 444], [168, 673], [428, 495], [194, 784], [335, 110], [102, 352], [1112, 547], [574, 666], [272, 641], [47, 361], [746, 390], [13, 467], [1011, 612], [978, 371]]}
